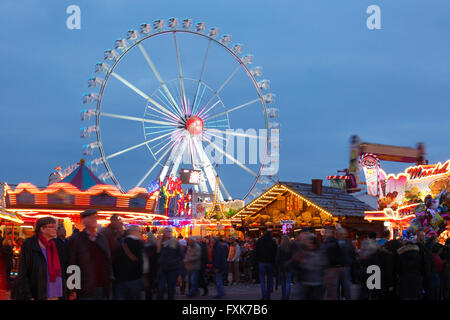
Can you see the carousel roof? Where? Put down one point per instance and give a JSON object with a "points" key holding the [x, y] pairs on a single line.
{"points": [[82, 178]]}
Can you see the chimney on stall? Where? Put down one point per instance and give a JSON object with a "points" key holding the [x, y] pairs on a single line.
{"points": [[317, 186]]}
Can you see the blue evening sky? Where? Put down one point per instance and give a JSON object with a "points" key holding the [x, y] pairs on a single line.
{"points": [[331, 75]]}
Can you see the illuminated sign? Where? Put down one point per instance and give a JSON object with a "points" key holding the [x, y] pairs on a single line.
{"points": [[189, 176], [418, 172]]}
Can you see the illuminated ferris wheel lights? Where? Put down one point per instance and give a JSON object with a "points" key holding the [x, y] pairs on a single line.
{"points": [[101, 67], [256, 71], [225, 39], [120, 44], [200, 27], [89, 98], [248, 59], [110, 54], [213, 32], [264, 84], [187, 24], [237, 48], [132, 35], [172, 23], [94, 81], [269, 98], [144, 28], [158, 25]]}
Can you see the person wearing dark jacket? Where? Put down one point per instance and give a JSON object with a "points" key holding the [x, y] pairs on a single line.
{"points": [[386, 258], [202, 281], [411, 269], [89, 250], [340, 255], [284, 255], [128, 266], [41, 265], [151, 267], [170, 260], [266, 250], [219, 264], [8, 255]]}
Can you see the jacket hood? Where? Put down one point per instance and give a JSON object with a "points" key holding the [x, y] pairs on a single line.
{"points": [[408, 247]]}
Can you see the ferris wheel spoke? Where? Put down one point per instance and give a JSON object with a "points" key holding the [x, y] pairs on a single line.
{"points": [[153, 167], [222, 86], [127, 149], [237, 134], [231, 158], [216, 136], [119, 116], [165, 117], [180, 73], [160, 79], [206, 112], [201, 74], [207, 118], [142, 94]]}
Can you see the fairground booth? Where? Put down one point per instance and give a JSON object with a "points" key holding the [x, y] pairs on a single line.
{"points": [[291, 207], [417, 198]]}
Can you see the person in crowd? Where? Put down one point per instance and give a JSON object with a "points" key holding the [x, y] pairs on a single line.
{"points": [[386, 259], [226, 246], [265, 251], [89, 250], [283, 256], [385, 236], [202, 280], [1, 238], [367, 257], [246, 262], [128, 266], [192, 263], [445, 280], [429, 264], [41, 273], [340, 256], [170, 263], [183, 272], [4, 284], [113, 233], [437, 277], [7, 253], [219, 264], [61, 236], [411, 270], [151, 267], [234, 257], [311, 264]]}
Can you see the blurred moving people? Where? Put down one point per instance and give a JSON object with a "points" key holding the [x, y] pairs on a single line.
{"points": [[89, 250]]}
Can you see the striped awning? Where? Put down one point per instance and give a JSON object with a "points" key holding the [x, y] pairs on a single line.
{"points": [[10, 216]]}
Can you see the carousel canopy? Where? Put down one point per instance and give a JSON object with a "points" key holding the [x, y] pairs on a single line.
{"points": [[82, 178]]}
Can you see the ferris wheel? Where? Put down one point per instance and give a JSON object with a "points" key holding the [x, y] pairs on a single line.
{"points": [[176, 95]]}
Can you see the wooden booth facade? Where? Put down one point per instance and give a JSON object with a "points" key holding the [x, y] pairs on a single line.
{"points": [[292, 206]]}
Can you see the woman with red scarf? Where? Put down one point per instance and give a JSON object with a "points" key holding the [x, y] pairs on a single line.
{"points": [[41, 265]]}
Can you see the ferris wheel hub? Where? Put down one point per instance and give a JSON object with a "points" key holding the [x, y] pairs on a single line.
{"points": [[194, 125]]}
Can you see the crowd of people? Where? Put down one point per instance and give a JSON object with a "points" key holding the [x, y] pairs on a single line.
{"points": [[135, 264]]}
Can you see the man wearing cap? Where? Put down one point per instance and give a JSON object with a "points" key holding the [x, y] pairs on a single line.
{"points": [[89, 250]]}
